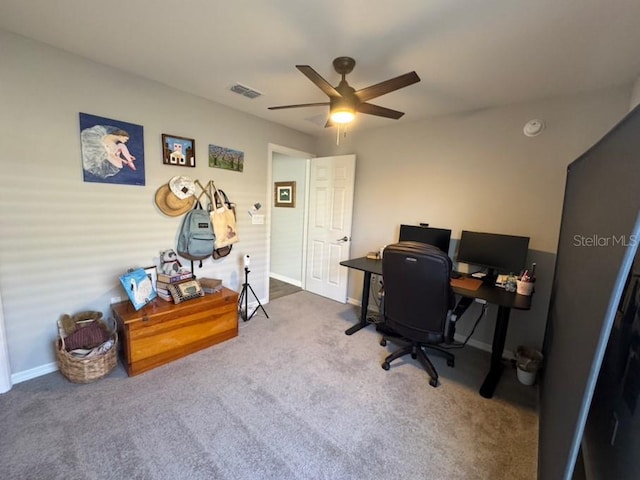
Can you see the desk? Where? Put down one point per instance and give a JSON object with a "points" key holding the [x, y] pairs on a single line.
{"points": [[491, 294], [369, 267]]}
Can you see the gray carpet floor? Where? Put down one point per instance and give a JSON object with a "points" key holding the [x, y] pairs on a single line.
{"points": [[292, 397]]}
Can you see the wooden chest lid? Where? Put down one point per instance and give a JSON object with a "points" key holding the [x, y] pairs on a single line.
{"points": [[126, 313]]}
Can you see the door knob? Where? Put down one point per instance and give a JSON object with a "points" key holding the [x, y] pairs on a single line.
{"points": [[344, 239]]}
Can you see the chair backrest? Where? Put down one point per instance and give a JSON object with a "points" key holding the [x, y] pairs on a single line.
{"points": [[417, 290]]}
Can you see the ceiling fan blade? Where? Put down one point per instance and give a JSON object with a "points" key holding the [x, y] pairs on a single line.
{"points": [[318, 104], [379, 111], [387, 86], [320, 82]]}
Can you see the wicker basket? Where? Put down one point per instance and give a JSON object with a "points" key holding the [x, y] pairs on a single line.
{"points": [[86, 370]]}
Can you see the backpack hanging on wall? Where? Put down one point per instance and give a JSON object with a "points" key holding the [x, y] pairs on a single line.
{"points": [[196, 239]]}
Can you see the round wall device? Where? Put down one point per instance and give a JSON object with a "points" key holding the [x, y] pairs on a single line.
{"points": [[533, 128]]}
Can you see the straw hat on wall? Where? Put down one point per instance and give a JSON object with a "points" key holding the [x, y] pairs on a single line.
{"points": [[170, 204]]}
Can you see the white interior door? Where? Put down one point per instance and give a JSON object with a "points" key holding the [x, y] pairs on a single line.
{"points": [[331, 186]]}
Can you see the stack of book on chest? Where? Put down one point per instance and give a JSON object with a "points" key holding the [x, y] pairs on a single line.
{"points": [[165, 280]]}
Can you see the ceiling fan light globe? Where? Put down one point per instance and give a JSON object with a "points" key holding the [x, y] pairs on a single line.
{"points": [[342, 115]]}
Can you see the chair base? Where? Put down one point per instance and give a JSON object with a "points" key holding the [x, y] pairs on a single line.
{"points": [[417, 351]]}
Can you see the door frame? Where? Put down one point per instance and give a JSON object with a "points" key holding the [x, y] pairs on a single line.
{"points": [[275, 148], [5, 368]]}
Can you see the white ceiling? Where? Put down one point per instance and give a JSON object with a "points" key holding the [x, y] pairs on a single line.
{"points": [[470, 54]]}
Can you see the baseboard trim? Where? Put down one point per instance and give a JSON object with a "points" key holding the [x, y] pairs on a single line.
{"points": [[282, 278], [34, 372]]}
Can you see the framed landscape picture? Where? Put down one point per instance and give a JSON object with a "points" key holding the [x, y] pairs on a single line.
{"points": [[221, 157], [178, 151], [285, 194]]}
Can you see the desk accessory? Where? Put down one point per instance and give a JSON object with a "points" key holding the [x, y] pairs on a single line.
{"points": [[524, 288], [511, 284], [527, 281], [467, 283]]}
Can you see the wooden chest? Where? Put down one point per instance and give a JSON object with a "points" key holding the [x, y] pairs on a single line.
{"points": [[162, 331]]}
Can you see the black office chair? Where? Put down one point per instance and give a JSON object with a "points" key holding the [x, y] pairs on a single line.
{"points": [[417, 301]]}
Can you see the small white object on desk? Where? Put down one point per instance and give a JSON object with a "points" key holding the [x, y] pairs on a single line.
{"points": [[479, 275]]}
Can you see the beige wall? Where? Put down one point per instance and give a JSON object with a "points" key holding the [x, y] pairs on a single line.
{"points": [[287, 224], [476, 171], [64, 242]]}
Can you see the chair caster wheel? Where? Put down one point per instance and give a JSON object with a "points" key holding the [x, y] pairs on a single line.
{"points": [[386, 366], [383, 343], [414, 355], [451, 363], [433, 382]]}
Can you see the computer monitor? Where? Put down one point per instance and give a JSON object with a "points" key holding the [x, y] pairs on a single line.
{"points": [[438, 237], [496, 252]]}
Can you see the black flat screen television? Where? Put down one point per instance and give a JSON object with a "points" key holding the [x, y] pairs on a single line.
{"points": [[496, 252], [438, 237]]}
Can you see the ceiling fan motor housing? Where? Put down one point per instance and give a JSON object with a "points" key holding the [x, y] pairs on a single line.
{"points": [[344, 65]]}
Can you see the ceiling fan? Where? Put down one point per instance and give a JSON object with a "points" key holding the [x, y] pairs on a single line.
{"points": [[345, 101]]}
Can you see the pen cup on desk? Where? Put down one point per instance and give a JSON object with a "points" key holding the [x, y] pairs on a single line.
{"points": [[524, 288]]}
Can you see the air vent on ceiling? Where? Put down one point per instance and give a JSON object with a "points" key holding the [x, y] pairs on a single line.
{"points": [[244, 90]]}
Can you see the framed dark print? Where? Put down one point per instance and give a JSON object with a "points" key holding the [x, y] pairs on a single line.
{"points": [[285, 194], [178, 151]]}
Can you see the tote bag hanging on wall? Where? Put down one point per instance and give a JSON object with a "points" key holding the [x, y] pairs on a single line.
{"points": [[223, 219]]}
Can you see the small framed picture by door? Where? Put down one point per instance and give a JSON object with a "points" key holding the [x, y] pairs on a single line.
{"points": [[285, 194]]}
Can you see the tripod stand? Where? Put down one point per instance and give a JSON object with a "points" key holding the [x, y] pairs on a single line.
{"points": [[244, 295]]}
